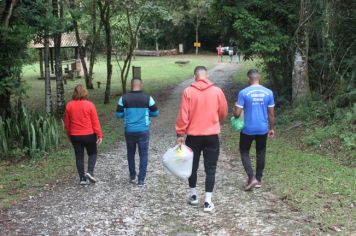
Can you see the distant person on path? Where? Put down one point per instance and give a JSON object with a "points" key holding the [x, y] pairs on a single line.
{"points": [[136, 108], [83, 129], [258, 105], [231, 53], [238, 55], [202, 108], [220, 53]]}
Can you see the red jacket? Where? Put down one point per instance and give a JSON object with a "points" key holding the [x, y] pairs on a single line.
{"points": [[81, 118], [202, 109]]}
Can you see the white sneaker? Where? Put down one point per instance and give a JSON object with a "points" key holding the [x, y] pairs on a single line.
{"points": [[91, 178], [83, 183], [208, 207], [193, 200]]}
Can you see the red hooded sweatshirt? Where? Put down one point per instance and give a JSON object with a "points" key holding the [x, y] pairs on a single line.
{"points": [[202, 109]]}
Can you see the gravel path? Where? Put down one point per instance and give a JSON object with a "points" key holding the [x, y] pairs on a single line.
{"points": [[113, 206]]}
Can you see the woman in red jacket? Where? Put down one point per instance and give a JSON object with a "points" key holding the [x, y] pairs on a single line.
{"points": [[84, 131]]}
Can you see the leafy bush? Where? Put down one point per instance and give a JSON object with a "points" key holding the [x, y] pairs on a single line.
{"points": [[349, 140], [320, 135], [27, 134]]}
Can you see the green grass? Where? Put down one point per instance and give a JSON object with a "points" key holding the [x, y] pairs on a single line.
{"points": [[22, 178], [157, 73], [314, 184]]}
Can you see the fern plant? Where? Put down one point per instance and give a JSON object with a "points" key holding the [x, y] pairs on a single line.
{"points": [[28, 134]]}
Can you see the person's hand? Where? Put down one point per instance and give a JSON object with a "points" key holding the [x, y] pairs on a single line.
{"points": [[271, 133], [98, 142], [180, 140]]}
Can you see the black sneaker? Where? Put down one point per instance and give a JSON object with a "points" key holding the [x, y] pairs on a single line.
{"points": [[193, 200], [208, 207], [91, 178]]}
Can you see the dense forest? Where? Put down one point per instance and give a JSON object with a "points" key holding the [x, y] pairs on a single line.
{"points": [[307, 48]]}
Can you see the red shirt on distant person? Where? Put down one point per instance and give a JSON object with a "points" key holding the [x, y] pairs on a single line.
{"points": [[220, 50]]}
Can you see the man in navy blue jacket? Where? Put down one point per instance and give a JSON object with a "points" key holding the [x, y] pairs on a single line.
{"points": [[136, 108]]}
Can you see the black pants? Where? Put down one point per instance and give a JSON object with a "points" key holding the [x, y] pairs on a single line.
{"points": [[245, 145], [209, 145], [89, 143]]}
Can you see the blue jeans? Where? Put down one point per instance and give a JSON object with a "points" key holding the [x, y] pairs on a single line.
{"points": [[140, 139]]}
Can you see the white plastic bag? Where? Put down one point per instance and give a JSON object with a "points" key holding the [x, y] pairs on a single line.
{"points": [[179, 161]]}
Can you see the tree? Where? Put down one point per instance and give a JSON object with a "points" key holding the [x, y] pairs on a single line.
{"points": [[6, 80], [300, 76], [133, 15], [105, 15], [154, 26], [48, 92], [8, 12], [15, 34], [57, 38], [194, 11], [199, 11], [75, 16], [94, 35]]}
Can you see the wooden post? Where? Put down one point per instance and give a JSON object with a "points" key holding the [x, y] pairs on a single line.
{"points": [[76, 53], [136, 72], [40, 53]]}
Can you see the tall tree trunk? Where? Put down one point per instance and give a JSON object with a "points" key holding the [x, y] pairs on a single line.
{"points": [[95, 38], [300, 75], [81, 50], [197, 36], [7, 13], [157, 45], [57, 4], [40, 53], [5, 98], [105, 19], [108, 60], [48, 94], [131, 48]]}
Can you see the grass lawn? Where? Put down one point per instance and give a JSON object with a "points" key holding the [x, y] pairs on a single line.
{"points": [[311, 183], [20, 179]]}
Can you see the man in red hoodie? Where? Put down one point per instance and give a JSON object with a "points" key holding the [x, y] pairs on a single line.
{"points": [[202, 109]]}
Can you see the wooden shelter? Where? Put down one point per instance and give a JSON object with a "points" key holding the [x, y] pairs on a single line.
{"points": [[74, 65]]}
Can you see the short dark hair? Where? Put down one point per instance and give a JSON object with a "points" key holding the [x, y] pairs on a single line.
{"points": [[199, 68], [252, 73]]}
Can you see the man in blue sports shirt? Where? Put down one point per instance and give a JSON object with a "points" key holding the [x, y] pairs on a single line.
{"points": [[136, 108], [257, 102]]}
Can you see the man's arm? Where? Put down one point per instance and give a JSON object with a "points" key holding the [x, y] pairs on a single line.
{"points": [[271, 105], [120, 110], [239, 105], [67, 122], [271, 122], [237, 112], [154, 112], [182, 121], [223, 109]]}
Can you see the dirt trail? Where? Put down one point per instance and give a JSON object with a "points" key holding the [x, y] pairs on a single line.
{"points": [[115, 207]]}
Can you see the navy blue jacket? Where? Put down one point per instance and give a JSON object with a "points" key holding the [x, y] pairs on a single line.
{"points": [[136, 108]]}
